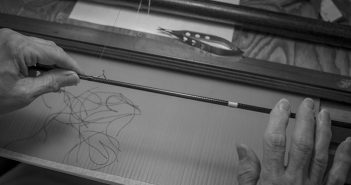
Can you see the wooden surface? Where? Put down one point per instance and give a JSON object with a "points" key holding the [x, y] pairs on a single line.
{"points": [[255, 45], [275, 23], [292, 52]]}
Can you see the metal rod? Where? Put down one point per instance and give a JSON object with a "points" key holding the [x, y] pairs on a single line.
{"points": [[249, 18], [231, 104], [216, 101]]}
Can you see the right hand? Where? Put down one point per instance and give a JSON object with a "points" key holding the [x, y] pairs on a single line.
{"points": [[308, 153], [17, 53]]}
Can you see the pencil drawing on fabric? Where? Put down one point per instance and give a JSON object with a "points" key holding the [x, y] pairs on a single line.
{"points": [[96, 117]]}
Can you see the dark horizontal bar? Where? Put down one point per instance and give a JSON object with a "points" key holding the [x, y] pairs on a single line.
{"points": [[183, 95], [156, 90], [259, 20], [195, 97], [161, 53]]}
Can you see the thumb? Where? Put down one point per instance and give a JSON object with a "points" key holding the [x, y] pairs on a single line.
{"points": [[249, 167], [50, 81]]}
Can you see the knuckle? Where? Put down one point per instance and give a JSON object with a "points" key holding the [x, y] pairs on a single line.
{"points": [[9, 36], [5, 31], [9, 43], [59, 50], [52, 84], [17, 45], [247, 173], [321, 160], [304, 145], [267, 177], [309, 120], [51, 43], [290, 177], [275, 141]]}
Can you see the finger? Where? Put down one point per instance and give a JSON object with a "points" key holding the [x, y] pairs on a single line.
{"points": [[249, 166], [341, 165], [18, 46], [322, 140], [275, 138], [61, 59], [50, 81], [42, 41], [35, 50], [302, 138], [50, 54]]}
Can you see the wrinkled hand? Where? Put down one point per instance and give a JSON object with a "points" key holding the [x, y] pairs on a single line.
{"points": [[17, 53], [308, 154]]}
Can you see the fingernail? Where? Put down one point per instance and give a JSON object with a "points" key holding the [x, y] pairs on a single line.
{"points": [[82, 72], [309, 103], [242, 152], [68, 73], [284, 105], [70, 79], [324, 115]]}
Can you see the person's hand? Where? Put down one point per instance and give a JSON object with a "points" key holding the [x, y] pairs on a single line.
{"points": [[308, 154], [17, 53]]}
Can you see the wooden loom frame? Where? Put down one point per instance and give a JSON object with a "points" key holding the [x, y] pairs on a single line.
{"points": [[143, 50], [285, 25], [124, 47]]}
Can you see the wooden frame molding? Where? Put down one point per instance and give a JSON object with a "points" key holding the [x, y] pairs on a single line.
{"points": [[285, 25], [170, 54]]}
